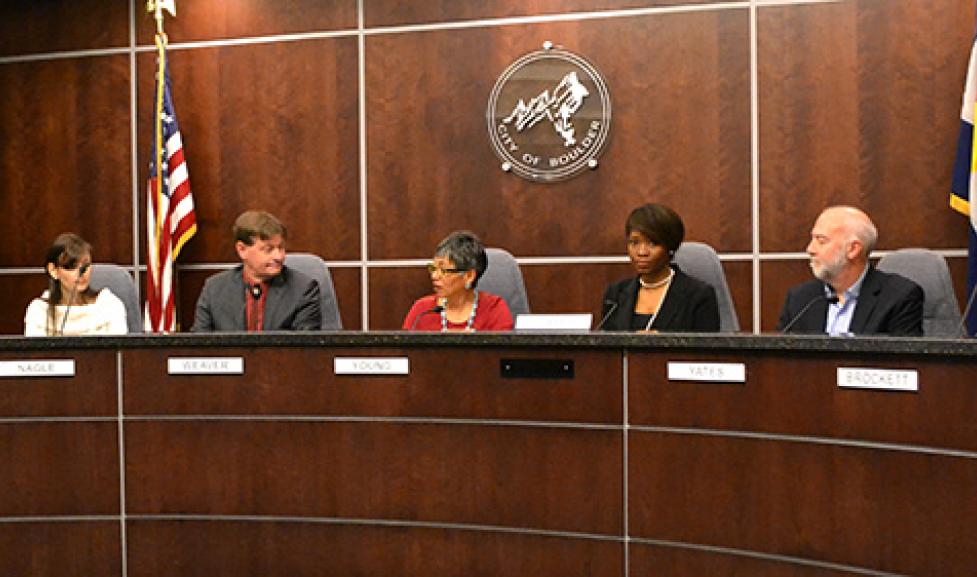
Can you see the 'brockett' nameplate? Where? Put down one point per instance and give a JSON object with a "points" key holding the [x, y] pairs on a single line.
{"points": [[707, 372], [879, 379], [205, 365], [371, 365], [38, 368]]}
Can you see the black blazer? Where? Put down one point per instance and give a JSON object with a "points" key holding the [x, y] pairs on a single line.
{"points": [[887, 304], [689, 306]]}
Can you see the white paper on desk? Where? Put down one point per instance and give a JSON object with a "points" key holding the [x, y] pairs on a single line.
{"points": [[554, 322]]}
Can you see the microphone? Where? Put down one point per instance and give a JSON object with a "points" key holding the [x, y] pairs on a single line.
{"points": [[607, 315], [67, 310], [256, 291], [962, 329], [436, 309], [833, 299]]}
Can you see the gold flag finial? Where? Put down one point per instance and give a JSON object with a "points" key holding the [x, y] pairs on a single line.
{"points": [[169, 6], [157, 7]]}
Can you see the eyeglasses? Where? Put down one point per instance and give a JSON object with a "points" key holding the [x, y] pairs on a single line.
{"points": [[82, 269], [433, 268]]}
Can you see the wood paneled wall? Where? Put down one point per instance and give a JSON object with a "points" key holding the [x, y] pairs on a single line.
{"points": [[361, 125]]}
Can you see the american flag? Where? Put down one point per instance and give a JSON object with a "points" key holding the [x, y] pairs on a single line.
{"points": [[963, 191], [170, 220]]}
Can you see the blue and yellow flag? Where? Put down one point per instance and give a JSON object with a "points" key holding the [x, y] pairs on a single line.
{"points": [[963, 195]]}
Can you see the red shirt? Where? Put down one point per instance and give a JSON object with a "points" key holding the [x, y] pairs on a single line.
{"points": [[254, 308], [492, 314]]}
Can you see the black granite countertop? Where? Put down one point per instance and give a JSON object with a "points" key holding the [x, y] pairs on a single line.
{"points": [[960, 348]]}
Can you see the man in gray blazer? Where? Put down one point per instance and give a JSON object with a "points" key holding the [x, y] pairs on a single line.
{"points": [[849, 296], [260, 294]]}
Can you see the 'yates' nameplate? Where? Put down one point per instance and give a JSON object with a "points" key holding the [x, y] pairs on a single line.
{"points": [[371, 365], [881, 379], [707, 372], [205, 365], [38, 368]]}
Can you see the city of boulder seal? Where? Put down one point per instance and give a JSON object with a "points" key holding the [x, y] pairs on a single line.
{"points": [[549, 115]]}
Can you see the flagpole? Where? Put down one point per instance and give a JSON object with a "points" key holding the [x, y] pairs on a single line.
{"points": [[157, 6], [157, 272]]}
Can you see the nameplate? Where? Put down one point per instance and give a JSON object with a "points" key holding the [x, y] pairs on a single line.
{"points": [[205, 365], [881, 379], [38, 368], [707, 372], [371, 365]]}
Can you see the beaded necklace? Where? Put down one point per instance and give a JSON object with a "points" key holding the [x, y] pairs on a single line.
{"points": [[656, 284], [471, 317]]}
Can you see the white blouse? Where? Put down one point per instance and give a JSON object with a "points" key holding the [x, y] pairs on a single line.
{"points": [[105, 316]]}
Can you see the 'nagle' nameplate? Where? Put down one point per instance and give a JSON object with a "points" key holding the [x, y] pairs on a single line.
{"points": [[707, 372], [371, 365], [38, 368], [881, 379], [205, 365]]}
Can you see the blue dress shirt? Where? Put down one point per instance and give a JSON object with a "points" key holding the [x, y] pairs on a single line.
{"points": [[840, 313]]}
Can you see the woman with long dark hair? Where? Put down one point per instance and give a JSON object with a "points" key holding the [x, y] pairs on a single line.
{"points": [[69, 306]]}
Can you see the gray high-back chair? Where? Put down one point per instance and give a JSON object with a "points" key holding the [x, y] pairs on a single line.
{"points": [[700, 261], [313, 266], [503, 278], [118, 280], [941, 312]]}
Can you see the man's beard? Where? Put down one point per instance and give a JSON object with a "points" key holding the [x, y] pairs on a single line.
{"points": [[828, 271]]}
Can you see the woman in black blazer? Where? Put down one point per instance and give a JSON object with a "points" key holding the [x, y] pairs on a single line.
{"points": [[661, 297]]}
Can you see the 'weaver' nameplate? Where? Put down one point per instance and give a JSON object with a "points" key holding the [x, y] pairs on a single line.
{"points": [[881, 379], [205, 365], [38, 368], [371, 365], [707, 372]]}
